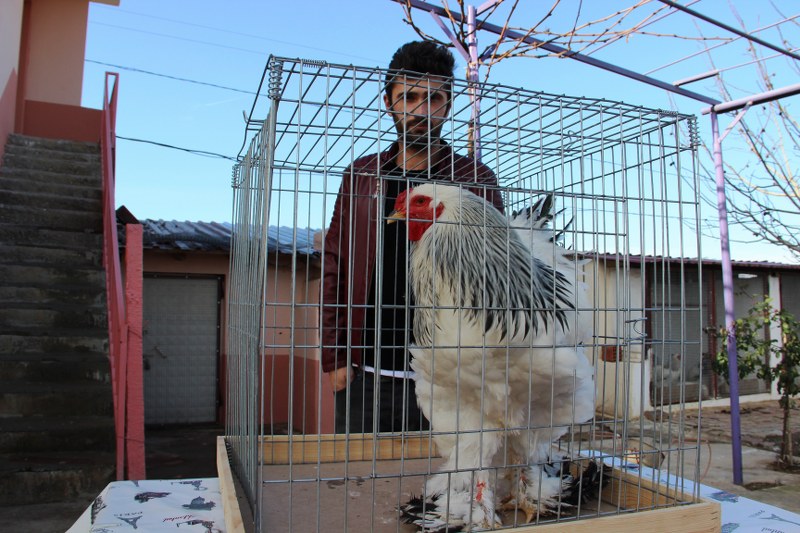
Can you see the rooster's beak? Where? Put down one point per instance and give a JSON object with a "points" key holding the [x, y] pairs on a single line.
{"points": [[394, 216]]}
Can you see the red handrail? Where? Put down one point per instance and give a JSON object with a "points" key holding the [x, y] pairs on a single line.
{"points": [[124, 325], [117, 334]]}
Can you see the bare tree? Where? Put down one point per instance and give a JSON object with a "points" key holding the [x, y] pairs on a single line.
{"points": [[763, 189], [580, 36], [763, 193]]}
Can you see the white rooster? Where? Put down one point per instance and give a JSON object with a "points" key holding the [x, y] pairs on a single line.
{"points": [[500, 329]]}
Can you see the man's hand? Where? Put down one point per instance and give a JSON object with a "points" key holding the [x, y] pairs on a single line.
{"points": [[340, 378]]}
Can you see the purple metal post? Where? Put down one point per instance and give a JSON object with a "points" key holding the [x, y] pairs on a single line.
{"points": [[473, 75], [747, 101], [473, 78], [727, 284]]}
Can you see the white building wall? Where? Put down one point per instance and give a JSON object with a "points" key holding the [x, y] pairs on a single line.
{"points": [[622, 372]]}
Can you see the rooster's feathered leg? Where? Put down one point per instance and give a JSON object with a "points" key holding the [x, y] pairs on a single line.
{"points": [[461, 496]]}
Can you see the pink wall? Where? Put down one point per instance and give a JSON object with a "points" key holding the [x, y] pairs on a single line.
{"points": [[10, 34], [287, 344], [42, 47], [54, 42], [8, 98], [311, 399], [57, 40], [59, 121]]}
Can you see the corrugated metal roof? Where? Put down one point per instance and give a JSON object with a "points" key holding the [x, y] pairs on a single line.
{"points": [[174, 234], [636, 259], [216, 236]]}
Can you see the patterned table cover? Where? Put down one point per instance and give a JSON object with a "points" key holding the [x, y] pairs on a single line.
{"points": [[183, 505], [196, 505]]}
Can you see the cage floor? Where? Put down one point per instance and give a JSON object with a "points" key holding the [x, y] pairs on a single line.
{"points": [[366, 502]]}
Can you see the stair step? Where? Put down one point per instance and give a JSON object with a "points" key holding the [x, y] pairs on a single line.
{"points": [[32, 398], [41, 152], [50, 477], [53, 296], [73, 341], [18, 319], [89, 192], [42, 276], [85, 367], [33, 332], [51, 218], [46, 178], [46, 199], [57, 436], [21, 234], [59, 145], [50, 164], [40, 434], [41, 256]]}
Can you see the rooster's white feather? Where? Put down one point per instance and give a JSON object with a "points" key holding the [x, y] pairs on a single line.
{"points": [[501, 330]]}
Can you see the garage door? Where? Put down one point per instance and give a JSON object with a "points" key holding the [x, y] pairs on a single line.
{"points": [[181, 341]]}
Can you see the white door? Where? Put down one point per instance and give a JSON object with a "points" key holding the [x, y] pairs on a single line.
{"points": [[180, 345]]}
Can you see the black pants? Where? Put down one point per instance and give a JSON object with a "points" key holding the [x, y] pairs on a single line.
{"points": [[396, 405]]}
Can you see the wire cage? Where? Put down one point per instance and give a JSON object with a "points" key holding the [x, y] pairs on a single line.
{"points": [[624, 226]]}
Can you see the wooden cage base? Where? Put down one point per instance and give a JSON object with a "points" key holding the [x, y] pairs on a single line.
{"points": [[628, 502]]}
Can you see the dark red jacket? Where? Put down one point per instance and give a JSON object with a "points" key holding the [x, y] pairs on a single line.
{"points": [[347, 276]]}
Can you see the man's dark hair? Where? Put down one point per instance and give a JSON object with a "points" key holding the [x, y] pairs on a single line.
{"points": [[423, 57]]}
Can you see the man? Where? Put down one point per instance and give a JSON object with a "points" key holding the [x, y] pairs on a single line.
{"points": [[366, 312]]}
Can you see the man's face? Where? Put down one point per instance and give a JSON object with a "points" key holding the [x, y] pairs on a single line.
{"points": [[418, 107]]}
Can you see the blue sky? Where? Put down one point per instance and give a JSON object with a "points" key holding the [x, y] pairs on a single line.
{"points": [[225, 46]]}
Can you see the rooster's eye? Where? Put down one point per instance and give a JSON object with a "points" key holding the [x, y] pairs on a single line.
{"points": [[419, 200]]}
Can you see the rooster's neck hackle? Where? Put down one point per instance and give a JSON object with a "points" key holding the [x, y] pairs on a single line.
{"points": [[470, 259]]}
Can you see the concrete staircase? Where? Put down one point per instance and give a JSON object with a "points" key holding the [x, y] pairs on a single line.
{"points": [[56, 417]]}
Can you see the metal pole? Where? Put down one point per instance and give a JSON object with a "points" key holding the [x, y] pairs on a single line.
{"points": [[727, 284], [473, 78], [761, 98]]}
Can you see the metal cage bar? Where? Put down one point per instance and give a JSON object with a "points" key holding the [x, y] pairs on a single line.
{"points": [[627, 214]]}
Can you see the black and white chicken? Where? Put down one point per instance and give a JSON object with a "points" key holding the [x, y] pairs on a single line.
{"points": [[501, 339]]}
